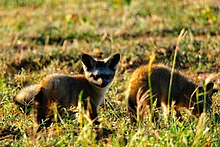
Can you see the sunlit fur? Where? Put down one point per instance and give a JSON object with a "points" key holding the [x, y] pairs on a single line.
{"points": [[184, 92]]}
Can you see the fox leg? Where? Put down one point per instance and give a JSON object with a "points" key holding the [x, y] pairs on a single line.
{"points": [[42, 119], [42, 109], [92, 108], [94, 114], [132, 110]]}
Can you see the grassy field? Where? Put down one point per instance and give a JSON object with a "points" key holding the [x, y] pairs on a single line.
{"points": [[39, 37]]}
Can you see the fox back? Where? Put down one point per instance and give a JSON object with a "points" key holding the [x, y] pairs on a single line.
{"points": [[183, 90]]}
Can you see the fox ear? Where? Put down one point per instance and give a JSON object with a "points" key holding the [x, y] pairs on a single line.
{"points": [[113, 61], [214, 90], [88, 61], [209, 86]]}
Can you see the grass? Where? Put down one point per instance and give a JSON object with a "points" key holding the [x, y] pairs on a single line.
{"points": [[39, 37]]}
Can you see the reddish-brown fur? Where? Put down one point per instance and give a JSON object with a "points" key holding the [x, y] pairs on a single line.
{"points": [[183, 90]]}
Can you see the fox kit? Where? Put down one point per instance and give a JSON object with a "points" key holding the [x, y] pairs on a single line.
{"points": [[183, 91], [65, 89]]}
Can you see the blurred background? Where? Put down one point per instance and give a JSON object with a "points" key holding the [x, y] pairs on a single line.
{"points": [[38, 37]]}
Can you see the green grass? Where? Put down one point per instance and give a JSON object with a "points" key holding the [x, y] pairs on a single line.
{"points": [[39, 37]]}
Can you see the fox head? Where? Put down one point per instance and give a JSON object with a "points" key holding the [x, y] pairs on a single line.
{"points": [[100, 72], [203, 96]]}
